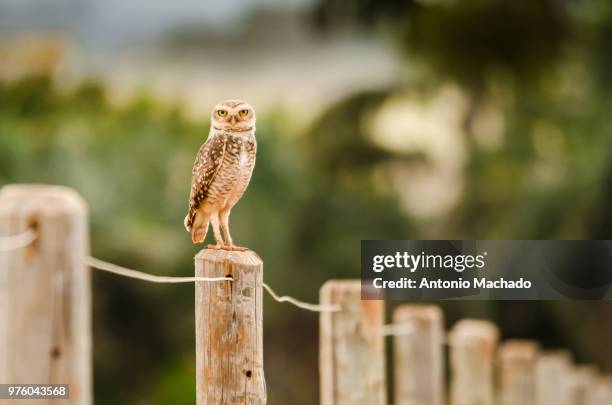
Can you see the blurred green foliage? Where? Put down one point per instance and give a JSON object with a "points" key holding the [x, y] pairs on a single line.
{"points": [[544, 67]]}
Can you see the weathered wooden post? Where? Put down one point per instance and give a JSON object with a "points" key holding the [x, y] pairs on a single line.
{"points": [[229, 329], [584, 380], [553, 378], [419, 355], [516, 370], [45, 308], [602, 394], [352, 362], [473, 344]]}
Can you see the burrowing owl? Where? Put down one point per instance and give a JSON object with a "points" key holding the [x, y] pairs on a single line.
{"points": [[222, 171]]}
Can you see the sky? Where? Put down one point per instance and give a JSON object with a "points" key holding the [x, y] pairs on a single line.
{"points": [[115, 22]]}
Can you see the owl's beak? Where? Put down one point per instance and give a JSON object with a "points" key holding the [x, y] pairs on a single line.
{"points": [[233, 120]]}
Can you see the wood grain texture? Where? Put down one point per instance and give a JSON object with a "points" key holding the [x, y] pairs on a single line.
{"points": [[516, 367], [352, 362], [229, 329], [45, 308], [419, 355], [553, 378], [473, 346]]}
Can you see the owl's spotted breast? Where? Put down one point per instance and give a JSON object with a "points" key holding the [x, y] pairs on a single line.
{"points": [[235, 171]]}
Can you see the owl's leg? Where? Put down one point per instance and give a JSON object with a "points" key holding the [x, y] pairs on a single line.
{"points": [[214, 221], [229, 243], [224, 218]]}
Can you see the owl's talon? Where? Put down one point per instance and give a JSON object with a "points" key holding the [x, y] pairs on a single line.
{"points": [[215, 247], [235, 248]]}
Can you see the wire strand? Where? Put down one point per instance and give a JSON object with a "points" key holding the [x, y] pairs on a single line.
{"points": [[300, 304], [14, 242], [122, 271]]}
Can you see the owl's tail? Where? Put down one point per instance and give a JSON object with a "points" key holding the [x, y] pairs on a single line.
{"points": [[188, 221]]}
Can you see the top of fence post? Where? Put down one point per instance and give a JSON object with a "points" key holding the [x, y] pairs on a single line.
{"points": [[517, 361], [473, 345], [41, 199], [246, 258], [584, 381], [553, 378]]}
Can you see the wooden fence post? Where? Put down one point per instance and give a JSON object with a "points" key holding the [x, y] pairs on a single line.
{"points": [[602, 394], [516, 370], [553, 378], [584, 379], [473, 344], [419, 355], [229, 329], [45, 308], [352, 362]]}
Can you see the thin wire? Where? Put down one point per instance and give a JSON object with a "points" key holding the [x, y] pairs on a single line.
{"points": [[300, 304], [122, 271], [18, 241]]}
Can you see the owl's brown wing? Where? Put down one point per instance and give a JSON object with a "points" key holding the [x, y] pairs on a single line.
{"points": [[206, 166]]}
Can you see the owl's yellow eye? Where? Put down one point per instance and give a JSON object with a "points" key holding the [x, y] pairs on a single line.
{"points": [[222, 113], [243, 113]]}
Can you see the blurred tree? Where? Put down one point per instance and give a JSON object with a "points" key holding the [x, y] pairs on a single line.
{"points": [[534, 62]]}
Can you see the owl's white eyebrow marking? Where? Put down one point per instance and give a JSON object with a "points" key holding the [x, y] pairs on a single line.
{"points": [[233, 104]]}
